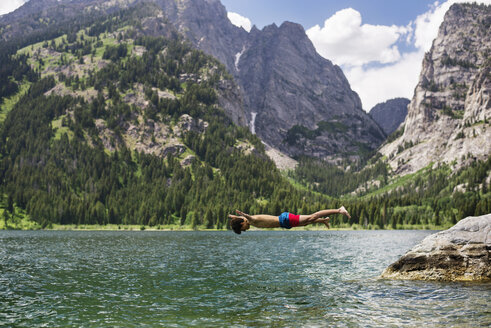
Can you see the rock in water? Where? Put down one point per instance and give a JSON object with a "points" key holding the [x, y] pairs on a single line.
{"points": [[461, 253]]}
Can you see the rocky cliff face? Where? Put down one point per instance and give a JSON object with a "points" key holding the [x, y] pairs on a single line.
{"points": [[448, 117], [205, 24], [390, 114], [461, 253], [302, 103], [283, 81]]}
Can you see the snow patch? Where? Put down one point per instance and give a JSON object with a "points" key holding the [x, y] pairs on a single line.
{"points": [[237, 58], [253, 122]]}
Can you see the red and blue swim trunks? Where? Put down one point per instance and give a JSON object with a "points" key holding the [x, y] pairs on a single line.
{"points": [[288, 220]]}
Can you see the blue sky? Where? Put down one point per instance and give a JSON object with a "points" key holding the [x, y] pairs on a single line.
{"points": [[312, 12], [379, 44]]}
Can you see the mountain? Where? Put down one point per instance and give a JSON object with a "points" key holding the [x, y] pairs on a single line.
{"points": [[301, 102], [390, 114], [449, 115], [298, 102], [118, 120], [444, 140], [294, 99]]}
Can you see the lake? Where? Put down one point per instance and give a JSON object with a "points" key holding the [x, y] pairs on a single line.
{"points": [[220, 279]]}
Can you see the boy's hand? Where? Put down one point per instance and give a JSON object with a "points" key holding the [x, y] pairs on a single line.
{"points": [[243, 214], [240, 213]]}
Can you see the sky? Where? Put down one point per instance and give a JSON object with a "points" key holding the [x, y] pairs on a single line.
{"points": [[7, 6], [379, 44]]}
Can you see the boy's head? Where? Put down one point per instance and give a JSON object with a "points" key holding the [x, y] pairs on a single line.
{"points": [[239, 224]]}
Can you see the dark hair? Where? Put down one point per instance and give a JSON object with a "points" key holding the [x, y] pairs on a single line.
{"points": [[236, 225]]}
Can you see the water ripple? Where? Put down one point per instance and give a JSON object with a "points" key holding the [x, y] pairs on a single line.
{"points": [[186, 279]]}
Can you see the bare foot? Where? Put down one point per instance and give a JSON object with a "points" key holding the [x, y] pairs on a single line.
{"points": [[326, 222], [343, 211]]}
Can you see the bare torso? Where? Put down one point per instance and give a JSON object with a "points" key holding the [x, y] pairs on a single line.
{"points": [[264, 221]]}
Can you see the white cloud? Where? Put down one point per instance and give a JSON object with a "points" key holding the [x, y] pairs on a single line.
{"points": [[7, 6], [240, 21], [352, 45], [428, 23], [375, 85], [345, 41]]}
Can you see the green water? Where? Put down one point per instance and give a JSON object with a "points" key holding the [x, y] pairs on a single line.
{"points": [[219, 279]]}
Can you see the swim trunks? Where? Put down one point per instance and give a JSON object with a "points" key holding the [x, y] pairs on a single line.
{"points": [[289, 220]]}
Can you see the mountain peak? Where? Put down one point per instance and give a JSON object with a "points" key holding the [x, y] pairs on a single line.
{"points": [[292, 27], [285, 28], [390, 114], [271, 28], [304, 97]]}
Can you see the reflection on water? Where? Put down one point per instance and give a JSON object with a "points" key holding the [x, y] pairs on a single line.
{"points": [[290, 278]]}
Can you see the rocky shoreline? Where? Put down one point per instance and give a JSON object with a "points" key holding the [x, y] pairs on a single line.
{"points": [[461, 253]]}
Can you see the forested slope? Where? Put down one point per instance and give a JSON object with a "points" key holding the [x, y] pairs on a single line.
{"points": [[109, 125], [434, 196]]}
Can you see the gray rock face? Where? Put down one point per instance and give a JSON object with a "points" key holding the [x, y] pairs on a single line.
{"points": [[288, 84], [461, 253], [282, 80], [449, 115], [390, 114], [205, 24]]}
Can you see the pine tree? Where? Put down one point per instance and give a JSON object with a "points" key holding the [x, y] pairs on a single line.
{"points": [[195, 220], [209, 219], [10, 204], [6, 218]]}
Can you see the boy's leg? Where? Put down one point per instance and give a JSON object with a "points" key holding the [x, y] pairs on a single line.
{"points": [[308, 219], [311, 218], [324, 213], [324, 220]]}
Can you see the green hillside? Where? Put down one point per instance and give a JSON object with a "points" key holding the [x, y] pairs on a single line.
{"points": [[102, 122], [377, 198]]}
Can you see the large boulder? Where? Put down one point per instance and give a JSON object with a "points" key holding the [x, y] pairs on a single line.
{"points": [[461, 253]]}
